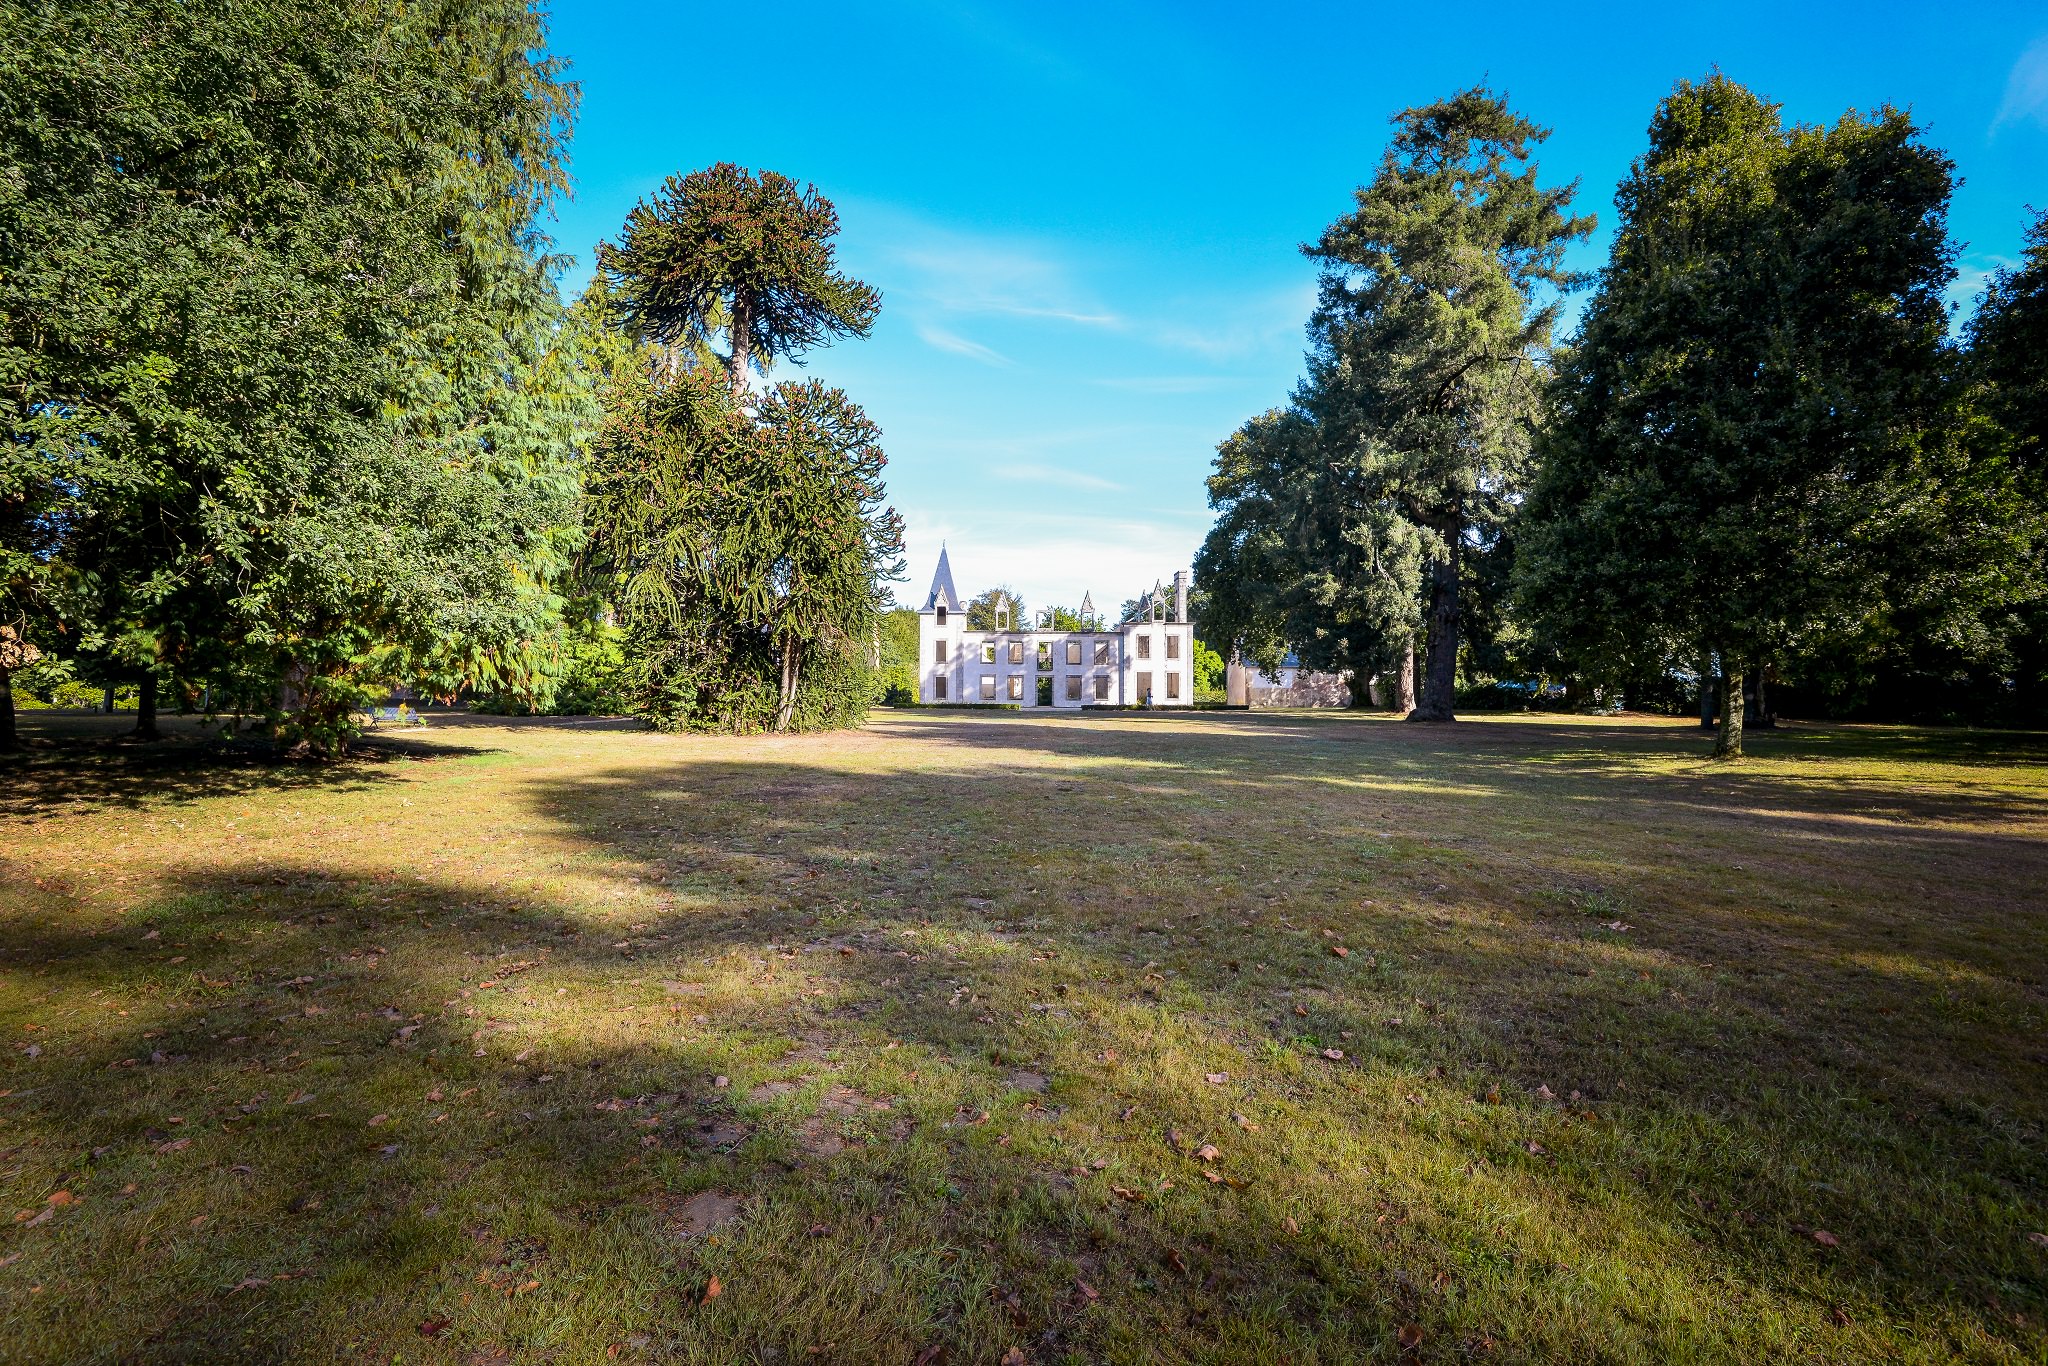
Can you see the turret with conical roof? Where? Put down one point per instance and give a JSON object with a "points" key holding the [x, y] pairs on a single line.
{"points": [[943, 593]]}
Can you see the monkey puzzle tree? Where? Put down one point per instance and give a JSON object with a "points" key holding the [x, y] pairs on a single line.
{"points": [[1430, 337], [724, 250], [746, 554]]}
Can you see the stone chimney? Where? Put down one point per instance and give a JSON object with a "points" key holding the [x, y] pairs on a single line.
{"points": [[1180, 595]]}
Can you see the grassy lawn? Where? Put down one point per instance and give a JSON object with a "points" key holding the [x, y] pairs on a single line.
{"points": [[1272, 1038]]}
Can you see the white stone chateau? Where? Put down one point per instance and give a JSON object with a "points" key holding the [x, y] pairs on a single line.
{"points": [[1146, 662]]}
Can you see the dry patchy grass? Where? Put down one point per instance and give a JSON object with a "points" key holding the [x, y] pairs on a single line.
{"points": [[1273, 1038]]}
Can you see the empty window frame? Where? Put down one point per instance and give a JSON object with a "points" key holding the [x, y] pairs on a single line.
{"points": [[942, 616], [1016, 687], [1045, 656], [938, 652], [1073, 687], [1172, 686], [1073, 652], [1102, 652], [1144, 688], [1144, 645], [1016, 652], [988, 652], [939, 689], [1173, 645], [1102, 687], [988, 687]]}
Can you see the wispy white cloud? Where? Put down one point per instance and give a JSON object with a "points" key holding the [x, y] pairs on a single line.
{"points": [[936, 336], [1054, 475], [1972, 276], [2026, 89], [1239, 327], [1053, 557], [1169, 384]]}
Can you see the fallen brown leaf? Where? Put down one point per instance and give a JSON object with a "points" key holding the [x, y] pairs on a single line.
{"points": [[1334, 1054], [61, 1198], [712, 1291], [1208, 1152], [1340, 951], [1088, 1291], [433, 1328], [1410, 1336]]}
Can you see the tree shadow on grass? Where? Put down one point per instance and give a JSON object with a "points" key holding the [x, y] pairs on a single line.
{"points": [[79, 762], [946, 939]]}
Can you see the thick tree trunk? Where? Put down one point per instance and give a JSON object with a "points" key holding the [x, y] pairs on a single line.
{"points": [[742, 354], [1363, 662], [145, 709], [1440, 671], [10, 739], [1729, 745], [1757, 703], [787, 710], [1404, 679]]}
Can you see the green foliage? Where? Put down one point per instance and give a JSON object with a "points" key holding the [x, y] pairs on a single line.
{"points": [[1430, 342], [1755, 448], [983, 607], [1345, 515], [724, 249], [897, 675], [746, 554], [281, 350]]}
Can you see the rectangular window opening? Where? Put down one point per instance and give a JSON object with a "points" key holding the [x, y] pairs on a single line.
{"points": [[1172, 686], [988, 687], [1073, 687], [1073, 652]]}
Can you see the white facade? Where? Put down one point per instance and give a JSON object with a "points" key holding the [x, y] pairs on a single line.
{"points": [[1136, 663]]}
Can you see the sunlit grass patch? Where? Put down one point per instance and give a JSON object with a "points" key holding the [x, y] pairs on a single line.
{"points": [[1191, 1038]]}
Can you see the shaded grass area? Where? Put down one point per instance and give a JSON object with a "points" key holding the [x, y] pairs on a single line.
{"points": [[980, 1033]]}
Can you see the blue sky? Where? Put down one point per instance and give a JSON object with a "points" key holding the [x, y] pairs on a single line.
{"points": [[1084, 218]]}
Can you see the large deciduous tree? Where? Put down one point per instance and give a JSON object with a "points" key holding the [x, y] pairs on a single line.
{"points": [[1289, 568], [288, 408], [1753, 417], [2007, 366], [725, 250]]}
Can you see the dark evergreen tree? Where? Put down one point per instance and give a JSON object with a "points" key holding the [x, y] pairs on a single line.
{"points": [[1757, 398], [1431, 335]]}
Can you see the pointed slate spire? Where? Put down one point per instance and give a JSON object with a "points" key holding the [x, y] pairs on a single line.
{"points": [[1087, 609], [943, 593]]}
